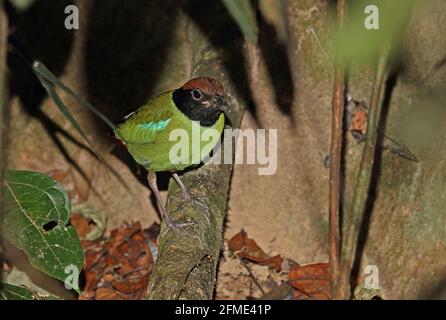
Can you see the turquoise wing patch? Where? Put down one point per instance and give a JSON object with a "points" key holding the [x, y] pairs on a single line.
{"points": [[142, 133], [143, 125], [155, 125]]}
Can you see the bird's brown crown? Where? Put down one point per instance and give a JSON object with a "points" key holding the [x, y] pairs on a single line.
{"points": [[207, 85]]}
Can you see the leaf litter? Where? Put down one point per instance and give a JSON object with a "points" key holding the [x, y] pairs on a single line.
{"points": [[117, 267], [247, 272]]}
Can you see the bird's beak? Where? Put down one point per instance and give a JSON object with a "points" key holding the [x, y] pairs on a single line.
{"points": [[221, 104]]}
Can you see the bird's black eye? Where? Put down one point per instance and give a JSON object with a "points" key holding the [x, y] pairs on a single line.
{"points": [[196, 94]]}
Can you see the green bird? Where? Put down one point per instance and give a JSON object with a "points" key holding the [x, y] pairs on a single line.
{"points": [[146, 132]]}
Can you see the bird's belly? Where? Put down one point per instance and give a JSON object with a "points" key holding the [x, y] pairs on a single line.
{"points": [[165, 155]]}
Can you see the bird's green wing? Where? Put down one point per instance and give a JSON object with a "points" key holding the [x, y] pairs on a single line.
{"points": [[142, 126]]}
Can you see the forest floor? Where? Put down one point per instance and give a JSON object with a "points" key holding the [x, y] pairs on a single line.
{"points": [[118, 267]]}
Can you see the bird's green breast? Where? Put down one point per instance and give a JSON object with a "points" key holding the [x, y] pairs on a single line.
{"points": [[162, 138]]}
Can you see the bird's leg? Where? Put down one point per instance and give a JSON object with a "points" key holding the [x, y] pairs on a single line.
{"points": [[151, 179], [186, 194]]}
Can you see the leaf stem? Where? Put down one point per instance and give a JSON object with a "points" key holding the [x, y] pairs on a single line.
{"points": [[354, 220], [335, 160]]}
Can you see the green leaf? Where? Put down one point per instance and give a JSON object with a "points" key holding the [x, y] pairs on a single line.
{"points": [[48, 81], [22, 5], [243, 13], [32, 202], [13, 292], [63, 108], [10, 292], [41, 70]]}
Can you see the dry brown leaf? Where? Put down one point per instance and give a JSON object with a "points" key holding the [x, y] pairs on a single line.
{"points": [[57, 174], [107, 294], [247, 248], [131, 285], [81, 224], [118, 267], [87, 295], [108, 277], [311, 281]]}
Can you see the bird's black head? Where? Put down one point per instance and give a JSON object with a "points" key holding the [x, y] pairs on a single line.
{"points": [[201, 99]]}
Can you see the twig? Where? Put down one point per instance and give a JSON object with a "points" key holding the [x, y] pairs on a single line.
{"points": [[335, 161], [254, 279], [324, 52], [354, 220]]}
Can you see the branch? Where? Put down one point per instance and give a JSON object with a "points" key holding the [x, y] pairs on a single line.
{"points": [[187, 261], [354, 221], [335, 161]]}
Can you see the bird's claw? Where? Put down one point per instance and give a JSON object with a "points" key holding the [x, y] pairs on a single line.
{"points": [[186, 195], [179, 226]]}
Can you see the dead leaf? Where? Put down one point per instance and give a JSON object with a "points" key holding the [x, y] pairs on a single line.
{"points": [[107, 294], [247, 248], [280, 292], [87, 295], [311, 281], [57, 174], [131, 285], [81, 224], [118, 267]]}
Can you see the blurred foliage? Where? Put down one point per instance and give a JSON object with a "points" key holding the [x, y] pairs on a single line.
{"points": [[423, 123], [13, 292], [358, 45], [273, 11], [243, 13], [36, 213], [22, 5], [10, 292]]}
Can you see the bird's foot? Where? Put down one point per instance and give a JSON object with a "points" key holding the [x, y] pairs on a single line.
{"points": [[184, 192], [186, 195], [178, 226], [198, 201]]}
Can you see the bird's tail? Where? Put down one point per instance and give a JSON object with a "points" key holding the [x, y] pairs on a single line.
{"points": [[115, 137]]}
